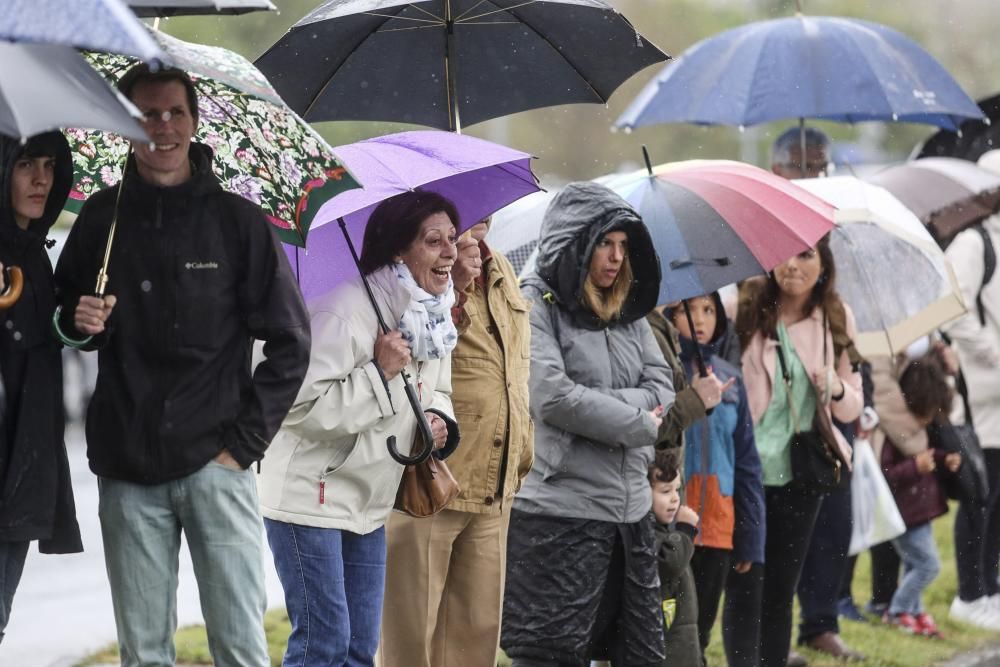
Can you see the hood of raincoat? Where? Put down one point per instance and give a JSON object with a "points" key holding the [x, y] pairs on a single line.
{"points": [[576, 219], [17, 240]]}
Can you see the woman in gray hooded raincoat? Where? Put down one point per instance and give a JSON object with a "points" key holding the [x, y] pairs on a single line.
{"points": [[581, 570]]}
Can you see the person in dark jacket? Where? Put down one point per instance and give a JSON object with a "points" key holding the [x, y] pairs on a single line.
{"points": [[34, 471], [919, 496], [178, 417], [722, 471], [581, 573], [676, 528]]}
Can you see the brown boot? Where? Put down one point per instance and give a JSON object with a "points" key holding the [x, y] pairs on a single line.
{"points": [[831, 644], [796, 660]]}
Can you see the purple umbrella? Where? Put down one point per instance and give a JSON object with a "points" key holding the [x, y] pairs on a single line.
{"points": [[479, 176]]}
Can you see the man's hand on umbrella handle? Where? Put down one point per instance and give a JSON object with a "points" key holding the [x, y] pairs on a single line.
{"points": [[92, 314], [468, 262], [439, 429], [392, 353], [709, 389]]}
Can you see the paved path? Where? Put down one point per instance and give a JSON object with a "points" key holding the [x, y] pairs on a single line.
{"points": [[62, 610]]}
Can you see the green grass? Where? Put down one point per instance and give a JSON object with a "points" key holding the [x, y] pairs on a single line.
{"points": [[885, 647]]}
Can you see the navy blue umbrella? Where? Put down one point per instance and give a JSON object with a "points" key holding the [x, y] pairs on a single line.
{"points": [[821, 67]]}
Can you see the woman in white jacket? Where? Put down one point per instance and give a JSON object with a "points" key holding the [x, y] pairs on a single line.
{"points": [[328, 483]]}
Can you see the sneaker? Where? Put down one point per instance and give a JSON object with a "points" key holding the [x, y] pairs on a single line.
{"points": [[981, 613], [928, 627], [903, 621], [846, 609]]}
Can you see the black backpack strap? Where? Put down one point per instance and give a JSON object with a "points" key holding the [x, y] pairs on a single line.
{"points": [[989, 268]]}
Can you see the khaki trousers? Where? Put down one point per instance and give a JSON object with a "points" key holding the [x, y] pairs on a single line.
{"points": [[444, 590]]}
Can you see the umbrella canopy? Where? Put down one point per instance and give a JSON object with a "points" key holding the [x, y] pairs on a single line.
{"points": [[480, 177], [514, 230], [715, 222], [150, 8], [443, 63], [263, 151], [49, 86], [822, 67], [947, 194], [890, 271], [95, 25], [973, 139]]}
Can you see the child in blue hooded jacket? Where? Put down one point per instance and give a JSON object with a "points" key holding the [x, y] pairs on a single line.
{"points": [[722, 470]]}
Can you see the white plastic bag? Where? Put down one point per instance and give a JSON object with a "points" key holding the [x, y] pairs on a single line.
{"points": [[876, 517]]}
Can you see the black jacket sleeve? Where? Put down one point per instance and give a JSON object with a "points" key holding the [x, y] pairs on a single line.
{"points": [[274, 313]]}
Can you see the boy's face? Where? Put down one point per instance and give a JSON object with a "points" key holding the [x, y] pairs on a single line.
{"points": [[702, 314], [666, 499]]}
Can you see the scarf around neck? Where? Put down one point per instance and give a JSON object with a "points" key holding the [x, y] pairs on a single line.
{"points": [[426, 323]]}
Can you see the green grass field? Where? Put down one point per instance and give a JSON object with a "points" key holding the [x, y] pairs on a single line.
{"points": [[885, 647]]}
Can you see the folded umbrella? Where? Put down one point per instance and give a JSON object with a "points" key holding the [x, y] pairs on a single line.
{"points": [[890, 271], [445, 63], [166, 8], [479, 176], [823, 67], [95, 25], [49, 86], [947, 194], [263, 150]]}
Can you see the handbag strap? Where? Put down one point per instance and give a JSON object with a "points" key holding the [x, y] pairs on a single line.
{"points": [[788, 384]]}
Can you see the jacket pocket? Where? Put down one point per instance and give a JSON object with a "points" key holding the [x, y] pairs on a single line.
{"points": [[205, 301]]}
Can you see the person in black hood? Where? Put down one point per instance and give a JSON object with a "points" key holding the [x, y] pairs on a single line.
{"points": [[178, 416], [582, 571], [36, 499]]}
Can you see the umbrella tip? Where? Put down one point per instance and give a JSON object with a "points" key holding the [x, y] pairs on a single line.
{"points": [[645, 157]]}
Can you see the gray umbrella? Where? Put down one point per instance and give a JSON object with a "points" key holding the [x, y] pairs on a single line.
{"points": [[48, 86], [94, 25], [445, 63], [150, 8]]}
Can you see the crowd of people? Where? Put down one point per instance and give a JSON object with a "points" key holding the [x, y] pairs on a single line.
{"points": [[624, 465]]}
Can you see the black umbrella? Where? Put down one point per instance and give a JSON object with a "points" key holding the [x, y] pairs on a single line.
{"points": [[157, 8], [977, 136], [445, 63]]}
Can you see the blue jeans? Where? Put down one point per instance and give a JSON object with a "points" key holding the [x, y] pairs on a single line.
{"points": [[12, 557], [217, 509], [334, 582], [920, 567]]}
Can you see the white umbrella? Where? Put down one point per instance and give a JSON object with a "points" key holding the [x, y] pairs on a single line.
{"points": [[151, 8], [890, 271], [49, 86]]}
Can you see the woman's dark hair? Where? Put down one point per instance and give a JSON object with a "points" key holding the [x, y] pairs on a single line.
{"points": [[394, 225], [925, 388], [665, 466], [758, 311], [142, 74], [48, 144]]}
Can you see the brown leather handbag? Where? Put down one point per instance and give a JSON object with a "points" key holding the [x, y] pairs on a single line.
{"points": [[426, 488]]}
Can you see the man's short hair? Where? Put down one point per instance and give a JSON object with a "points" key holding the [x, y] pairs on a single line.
{"points": [[781, 150], [142, 74]]}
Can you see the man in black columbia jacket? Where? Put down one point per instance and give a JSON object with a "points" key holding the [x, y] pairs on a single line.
{"points": [[177, 417]]}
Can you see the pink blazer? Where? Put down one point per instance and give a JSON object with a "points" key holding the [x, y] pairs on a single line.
{"points": [[760, 369]]}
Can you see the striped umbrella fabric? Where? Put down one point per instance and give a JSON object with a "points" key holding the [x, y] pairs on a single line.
{"points": [[716, 222]]}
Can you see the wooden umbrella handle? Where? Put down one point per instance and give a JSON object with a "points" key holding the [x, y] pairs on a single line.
{"points": [[15, 283]]}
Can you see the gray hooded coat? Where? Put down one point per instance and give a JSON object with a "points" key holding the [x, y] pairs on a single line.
{"points": [[592, 383]]}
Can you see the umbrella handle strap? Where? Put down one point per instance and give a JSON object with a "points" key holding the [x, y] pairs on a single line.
{"points": [[66, 340]]}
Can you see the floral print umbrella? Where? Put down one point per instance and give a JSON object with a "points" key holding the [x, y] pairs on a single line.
{"points": [[263, 150]]}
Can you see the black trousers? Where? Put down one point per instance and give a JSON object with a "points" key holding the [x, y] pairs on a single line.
{"points": [[977, 538], [885, 573], [791, 516], [710, 568], [741, 617], [826, 565]]}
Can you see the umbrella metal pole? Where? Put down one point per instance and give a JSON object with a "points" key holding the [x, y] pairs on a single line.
{"points": [[422, 426], [645, 157], [802, 145], [102, 275], [702, 371], [454, 121]]}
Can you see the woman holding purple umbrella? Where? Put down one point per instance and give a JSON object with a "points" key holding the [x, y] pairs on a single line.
{"points": [[329, 482]]}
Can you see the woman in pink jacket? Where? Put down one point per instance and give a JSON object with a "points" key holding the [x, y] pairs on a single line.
{"points": [[797, 308]]}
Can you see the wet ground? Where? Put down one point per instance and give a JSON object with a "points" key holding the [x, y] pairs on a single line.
{"points": [[62, 610]]}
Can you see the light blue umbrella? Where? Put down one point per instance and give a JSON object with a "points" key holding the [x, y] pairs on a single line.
{"points": [[94, 25], [822, 67]]}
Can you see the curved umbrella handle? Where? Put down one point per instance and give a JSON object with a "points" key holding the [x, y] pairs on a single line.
{"points": [[15, 284], [424, 428]]}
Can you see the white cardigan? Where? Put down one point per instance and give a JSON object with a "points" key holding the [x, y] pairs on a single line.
{"points": [[328, 466]]}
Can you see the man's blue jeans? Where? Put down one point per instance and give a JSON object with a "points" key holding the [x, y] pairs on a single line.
{"points": [[921, 565], [217, 509], [334, 582]]}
